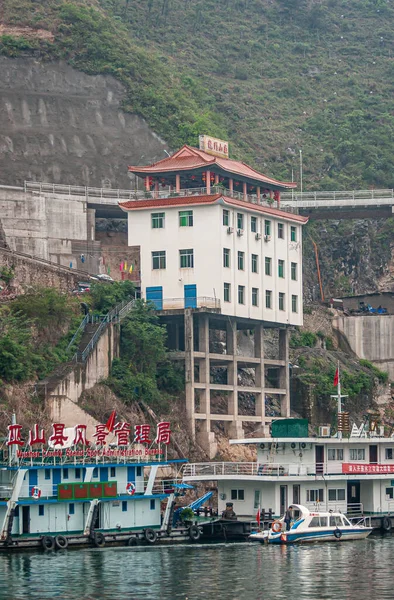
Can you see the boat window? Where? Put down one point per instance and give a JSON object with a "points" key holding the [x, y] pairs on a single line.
{"points": [[346, 521], [315, 522], [139, 471], [335, 521], [323, 521]]}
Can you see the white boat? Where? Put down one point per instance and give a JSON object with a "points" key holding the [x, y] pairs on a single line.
{"points": [[307, 526]]}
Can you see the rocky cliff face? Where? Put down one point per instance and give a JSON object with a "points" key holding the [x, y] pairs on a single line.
{"points": [[355, 257], [60, 125]]}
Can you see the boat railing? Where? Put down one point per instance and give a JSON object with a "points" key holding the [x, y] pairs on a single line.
{"points": [[261, 469], [355, 509], [220, 468]]}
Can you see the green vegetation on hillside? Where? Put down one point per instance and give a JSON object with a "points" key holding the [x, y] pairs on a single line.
{"points": [[143, 372], [35, 330], [274, 76]]}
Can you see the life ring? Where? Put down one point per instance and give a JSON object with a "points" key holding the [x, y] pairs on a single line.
{"points": [[386, 523], [150, 535], [338, 534], [130, 489], [48, 542], [98, 539], [61, 542], [35, 493], [194, 533], [277, 526]]}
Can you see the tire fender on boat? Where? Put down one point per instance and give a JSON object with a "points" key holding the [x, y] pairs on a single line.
{"points": [[386, 523], [48, 542], [194, 533], [132, 541], [98, 539], [338, 534], [150, 536], [61, 542]]}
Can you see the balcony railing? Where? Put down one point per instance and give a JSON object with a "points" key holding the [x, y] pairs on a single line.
{"points": [[207, 470], [181, 303]]}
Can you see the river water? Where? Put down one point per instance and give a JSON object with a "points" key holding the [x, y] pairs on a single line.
{"points": [[360, 570]]}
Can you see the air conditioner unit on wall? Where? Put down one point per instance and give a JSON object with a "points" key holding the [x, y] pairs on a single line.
{"points": [[258, 236], [230, 229], [240, 232], [267, 238], [324, 431]]}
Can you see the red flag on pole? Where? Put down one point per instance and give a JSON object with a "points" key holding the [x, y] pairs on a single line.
{"points": [[111, 421], [258, 518], [336, 377]]}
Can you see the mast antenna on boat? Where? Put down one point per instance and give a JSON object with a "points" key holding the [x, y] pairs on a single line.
{"points": [[338, 396]]}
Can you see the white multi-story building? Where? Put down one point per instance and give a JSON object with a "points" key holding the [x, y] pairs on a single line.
{"points": [[215, 258], [194, 249]]}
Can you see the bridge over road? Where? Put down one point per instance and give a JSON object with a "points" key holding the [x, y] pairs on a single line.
{"points": [[352, 204]]}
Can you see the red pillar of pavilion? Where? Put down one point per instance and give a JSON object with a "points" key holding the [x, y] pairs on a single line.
{"points": [[208, 181]]}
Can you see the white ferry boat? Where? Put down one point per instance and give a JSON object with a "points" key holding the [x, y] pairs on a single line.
{"points": [[307, 526], [66, 490], [353, 475]]}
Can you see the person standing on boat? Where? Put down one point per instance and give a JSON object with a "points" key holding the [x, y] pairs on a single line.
{"points": [[287, 518]]}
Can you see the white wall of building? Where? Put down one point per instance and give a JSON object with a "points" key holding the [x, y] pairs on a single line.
{"points": [[208, 237]]}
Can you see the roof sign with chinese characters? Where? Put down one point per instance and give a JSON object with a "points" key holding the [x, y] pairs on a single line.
{"points": [[213, 146], [120, 440]]}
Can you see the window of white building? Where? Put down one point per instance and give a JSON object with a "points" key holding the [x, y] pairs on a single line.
{"points": [[237, 495], [240, 221], [227, 292], [159, 259], [294, 303], [186, 259], [267, 227], [268, 299], [241, 261], [158, 220], [241, 294], [293, 234], [268, 265], [255, 263], [357, 454], [389, 454], [255, 297], [226, 257], [185, 218], [389, 493], [335, 453], [336, 495], [293, 269], [253, 224], [226, 218], [281, 231], [281, 301], [281, 268]]}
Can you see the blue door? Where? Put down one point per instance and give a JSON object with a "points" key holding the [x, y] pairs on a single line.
{"points": [[33, 479], [190, 296], [131, 475], [103, 473], [155, 295], [56, 478]]}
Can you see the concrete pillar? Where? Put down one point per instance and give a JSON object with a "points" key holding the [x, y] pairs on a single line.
{"points": [[189, 368], [284, 378], [177, 183], [147, 186], [203, 346], [260, 379], [216, 179], [245, 192], [258, 194], [156, 194], [231, 185], [232, 369], [208, 181]]}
